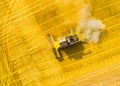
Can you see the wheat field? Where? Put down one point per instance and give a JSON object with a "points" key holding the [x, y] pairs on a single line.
{"points": [[26, 57]]}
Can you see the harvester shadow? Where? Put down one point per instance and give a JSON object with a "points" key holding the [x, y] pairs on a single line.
{"points": [[75, 51]]}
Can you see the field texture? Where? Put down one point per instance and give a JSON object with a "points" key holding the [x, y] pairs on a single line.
{"points": [[26, 57]]}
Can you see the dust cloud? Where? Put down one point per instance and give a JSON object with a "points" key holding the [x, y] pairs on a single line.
{"points": [[89, 26]]}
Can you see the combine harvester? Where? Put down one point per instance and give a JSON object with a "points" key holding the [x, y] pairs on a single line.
{"points": [[63, 42]]}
